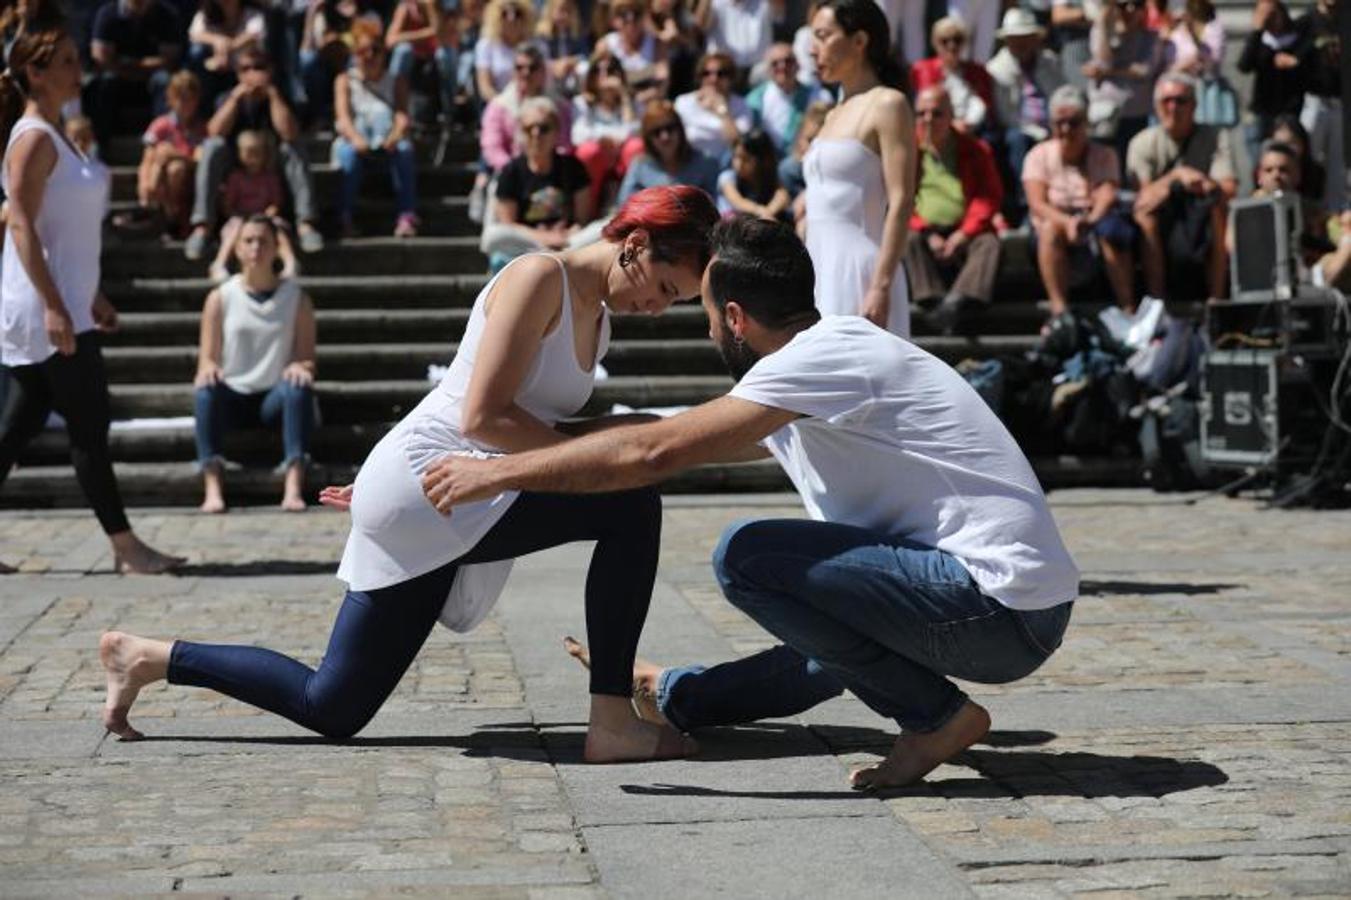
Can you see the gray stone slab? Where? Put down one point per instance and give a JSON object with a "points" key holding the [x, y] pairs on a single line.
{"points": [[516, 875], [1062, 854], [17, 613], [785, 857], [111, 885], [38, 740]]}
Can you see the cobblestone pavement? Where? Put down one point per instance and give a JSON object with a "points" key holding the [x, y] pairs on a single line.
{"points": [[1191, 738]]}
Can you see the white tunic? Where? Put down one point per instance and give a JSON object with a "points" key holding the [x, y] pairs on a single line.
{"points": [[257, 337], [396, 533], [70, 227]]}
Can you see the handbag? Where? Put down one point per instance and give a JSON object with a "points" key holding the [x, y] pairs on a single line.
{"points": [[1217, 103]]}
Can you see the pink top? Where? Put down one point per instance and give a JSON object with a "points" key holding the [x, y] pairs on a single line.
{"points": [[167, 129], [247, 194], [497, 132], [1069, 188], [1181, 50]]}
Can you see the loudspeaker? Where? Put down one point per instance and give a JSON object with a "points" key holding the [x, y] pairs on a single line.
{"points": [[1263, 407], [1266, 234]]}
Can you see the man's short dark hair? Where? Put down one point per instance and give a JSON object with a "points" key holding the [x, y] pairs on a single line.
{"points": [[762, 266], [1284, 149]]}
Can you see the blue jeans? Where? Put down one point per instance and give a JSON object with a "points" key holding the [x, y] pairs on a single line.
{"points": [[402, 172], [402, 59], [886, 618], [379, 632], [219, 408]]}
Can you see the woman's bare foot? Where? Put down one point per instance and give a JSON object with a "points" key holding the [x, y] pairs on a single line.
{"points": [[915, 755], [293, 504], [645, 678], [131, 663], [616, 734], [213, 491], [132, 556], [293, 492], [213, 504]]}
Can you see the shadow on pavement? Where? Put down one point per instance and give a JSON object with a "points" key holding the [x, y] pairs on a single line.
{"points": [[1103, 588], [258, 567]]}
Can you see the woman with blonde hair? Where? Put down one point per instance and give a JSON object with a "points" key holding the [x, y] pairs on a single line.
{"points": [[51, 308], [605, 123], [969, 86], [566, 42], [642, 55], [507, 26]]}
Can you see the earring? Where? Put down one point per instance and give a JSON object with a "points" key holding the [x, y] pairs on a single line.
{"points": [[738, 340], [625, 258]]}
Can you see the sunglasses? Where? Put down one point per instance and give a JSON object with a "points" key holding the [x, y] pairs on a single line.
{"points": [[609, 68], [1177, 100], [527, 68], [538, 129], [951, 41], [1071, 122], [716, 73], [628, 15], [252, 67], [782, 63], [931, 114], [668, 130]]}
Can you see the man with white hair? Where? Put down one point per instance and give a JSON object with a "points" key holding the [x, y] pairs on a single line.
{"points": [[1185, 175]]}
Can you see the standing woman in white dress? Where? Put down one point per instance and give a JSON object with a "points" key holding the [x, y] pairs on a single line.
{"points": [[860, 169], [51, 308], [526, 361]]}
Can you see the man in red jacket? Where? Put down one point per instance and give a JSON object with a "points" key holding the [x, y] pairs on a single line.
{"points": [[953, 254]]}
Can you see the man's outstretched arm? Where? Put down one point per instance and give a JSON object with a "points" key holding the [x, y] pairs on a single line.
{"points": [[611, 460]]}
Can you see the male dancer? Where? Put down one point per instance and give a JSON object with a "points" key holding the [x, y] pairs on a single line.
{"points": [[930, 551]]}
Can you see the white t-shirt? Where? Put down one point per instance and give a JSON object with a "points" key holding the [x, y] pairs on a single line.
{"points": [[897, 442], [703, 127], [742, 29], [498, 59]]}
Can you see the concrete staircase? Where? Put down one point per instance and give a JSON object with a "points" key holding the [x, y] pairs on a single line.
{"points": [[387, 309]]}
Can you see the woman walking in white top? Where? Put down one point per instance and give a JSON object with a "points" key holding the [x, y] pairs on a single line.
{"points": [[51, 308], [527, 360], [255, 364]]}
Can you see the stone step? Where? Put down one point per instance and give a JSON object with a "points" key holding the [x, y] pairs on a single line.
{"points": [[329, 292], [130, 258], [451, 179], [174, 443], [179, 484], [356, 362], [346, 402], [440, 216], [463, 146]]}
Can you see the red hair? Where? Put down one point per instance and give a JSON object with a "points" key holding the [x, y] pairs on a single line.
{"points": [[678, 220]]}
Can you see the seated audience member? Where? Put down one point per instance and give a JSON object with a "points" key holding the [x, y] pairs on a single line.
{"points": [[169, 158], [741, 30], [499, 135], [952, 256], [135, 46], [325, 50], [713, 115], [802, 49], [255, 104], [1280, 59], [565, 41], [1279, 172], [371, 104], [1184, 175], [255, 364], [219, 31], [1323, 111], [671, 23], [543, 200], [414, 44], [790, 167], [1334, 268], [967, 83], [1025, 75], [1127, 57], [253, 189], [508, 29], [1195, 44], [779, 103], [1071, 184], [751, 185], [637, 49], [1287, 129], [605, 124], [668, 157], [79, 130], [1071, 22]]}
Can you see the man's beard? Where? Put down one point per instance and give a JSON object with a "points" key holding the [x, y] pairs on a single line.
{"points": [[736, 355]]}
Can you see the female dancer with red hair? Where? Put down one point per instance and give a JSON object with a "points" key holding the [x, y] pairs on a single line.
{"points": [[527, 360]]}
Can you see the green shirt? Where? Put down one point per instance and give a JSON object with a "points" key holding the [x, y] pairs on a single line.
{"points": [[938, 197]]}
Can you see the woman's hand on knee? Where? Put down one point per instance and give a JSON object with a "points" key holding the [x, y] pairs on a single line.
{"points": [[208, 375]]}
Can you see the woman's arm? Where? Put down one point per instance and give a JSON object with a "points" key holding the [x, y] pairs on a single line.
{"points": [[483, 75], [894, 124], [582, 213], [210, 342], [302, 368], [1101, 200], [778, 203], [342, 114], [738, 200], [32, 159], [401, 121], [523, 305]]}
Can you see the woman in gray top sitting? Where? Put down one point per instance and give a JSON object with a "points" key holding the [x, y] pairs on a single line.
{"points": [[255, 364]]}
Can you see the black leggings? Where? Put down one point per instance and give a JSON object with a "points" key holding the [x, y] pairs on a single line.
{"points": [[378, 632], [76, 387]]}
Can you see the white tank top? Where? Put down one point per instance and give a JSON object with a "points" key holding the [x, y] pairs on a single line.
{"points": [[257, 337], [70, 227], [396, 533]]}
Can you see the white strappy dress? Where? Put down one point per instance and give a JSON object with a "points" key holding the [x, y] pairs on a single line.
{"points": [[846, 206], [396, 533]]}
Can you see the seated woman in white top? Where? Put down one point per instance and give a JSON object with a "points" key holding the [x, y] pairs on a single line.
{"points": [[255, 364], [527, 360], [507, 27], [605, 122], [714, 116]]}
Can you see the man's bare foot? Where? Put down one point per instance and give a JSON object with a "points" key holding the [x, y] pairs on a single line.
{"points": [[616, 735], [915, 755], [131, 663], [645, 678]]}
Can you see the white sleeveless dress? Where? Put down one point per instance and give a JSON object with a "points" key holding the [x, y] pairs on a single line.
{"points": [[846, 205], [396, 532]]}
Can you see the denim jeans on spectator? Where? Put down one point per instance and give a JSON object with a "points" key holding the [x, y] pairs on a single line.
{"points": [[219, 408], [1016, 145], [402, 163], [218, 158], [316, 77], [402, 59], [884, 617], [109, 94]]}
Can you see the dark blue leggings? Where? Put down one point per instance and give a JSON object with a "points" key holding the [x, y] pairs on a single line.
{"points": [[378, 632]]}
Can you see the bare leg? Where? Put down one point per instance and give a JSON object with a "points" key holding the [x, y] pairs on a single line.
{"points": [[177, 193], [132, 556], [131, 663], [645, 676], [1053, 261], [1120, 266], [219, 270], [1217, 275], [915, 755], [290, 265], [213, 485], [293, 491]]}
